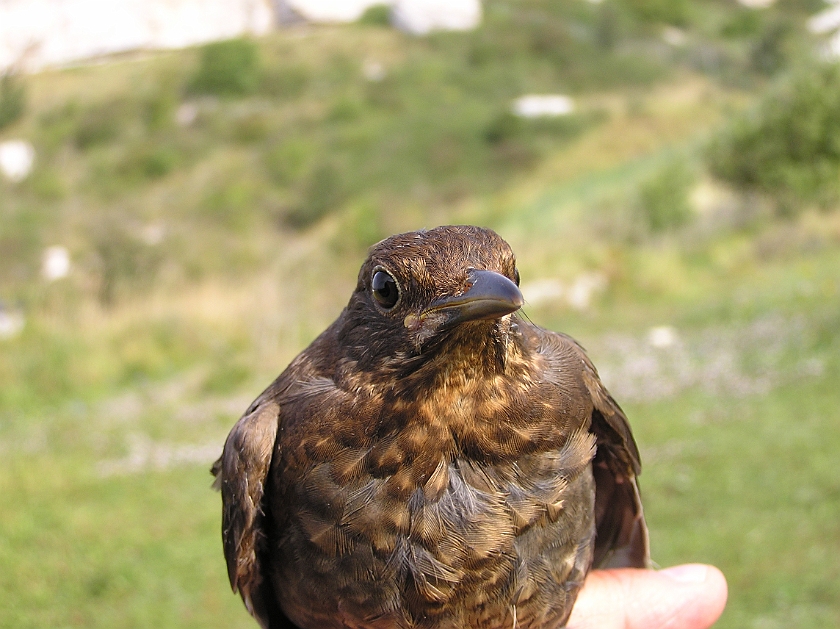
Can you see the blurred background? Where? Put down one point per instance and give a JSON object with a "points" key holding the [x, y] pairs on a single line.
{"points": [[187, 190]]}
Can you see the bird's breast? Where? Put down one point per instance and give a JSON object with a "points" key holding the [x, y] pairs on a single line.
{"points": [[454, 506]]}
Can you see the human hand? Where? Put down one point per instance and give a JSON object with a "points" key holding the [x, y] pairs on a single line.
{"points": [[691, 596]]}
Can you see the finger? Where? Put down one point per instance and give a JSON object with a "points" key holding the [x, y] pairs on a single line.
{"points": [[690, 596]]}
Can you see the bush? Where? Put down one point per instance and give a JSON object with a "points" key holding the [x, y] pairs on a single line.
{"points": [[148, 161], [101, 123], [228, 68], [674, 12], [323, 191], [789, 147], [663, 199], [770, 53], [125, 263], [12, 99], [377, 15]]}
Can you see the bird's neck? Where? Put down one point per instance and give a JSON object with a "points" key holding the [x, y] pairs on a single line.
{"points": [[474, 351]]}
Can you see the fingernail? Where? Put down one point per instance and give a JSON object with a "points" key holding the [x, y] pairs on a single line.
{"points": [[687, 573]]}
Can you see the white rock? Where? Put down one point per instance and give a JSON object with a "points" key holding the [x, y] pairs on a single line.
{"points": [[373, 71], [420, 17], [756, 4], [584, 288], [55, 263], [153, 234], [662, 336], [825, 21], [674, 36], [832, 48], [11, 323], [42, 33], [578, 294], [543, 105], [332, 10], [186, 114], [16, 159], [539, 292], [145, 455]]}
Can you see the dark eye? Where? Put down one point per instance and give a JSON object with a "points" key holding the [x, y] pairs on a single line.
{"points": [[385, 289], [516, 276]]}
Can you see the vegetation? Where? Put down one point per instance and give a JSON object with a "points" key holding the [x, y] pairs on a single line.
{"points": [[228, 68], [663, 198], [216, 204], [12, 98], [789, 146]]}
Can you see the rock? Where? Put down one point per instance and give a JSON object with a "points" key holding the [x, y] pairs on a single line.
{"points": [[11, 322], [330, 10], [153, 234], [16, 159], [584, 288], [186, 114], [373, 71], [674, 36], [35, 34], [55, 263], [420, 17], [577, 295], [545, 291], [662, 336], [543, 105], [828, 21]]}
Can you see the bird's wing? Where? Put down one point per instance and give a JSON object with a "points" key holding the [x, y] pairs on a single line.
{"points": [[241, 473], [622, 534]]}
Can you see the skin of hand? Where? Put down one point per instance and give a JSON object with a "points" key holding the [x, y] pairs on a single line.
{"points": [[690, 596]]}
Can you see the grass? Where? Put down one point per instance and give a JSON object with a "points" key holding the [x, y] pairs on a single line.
{"points": [[206, 255]]}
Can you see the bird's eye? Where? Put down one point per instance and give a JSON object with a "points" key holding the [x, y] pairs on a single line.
{"points": [[516, 276], [385, 289]]}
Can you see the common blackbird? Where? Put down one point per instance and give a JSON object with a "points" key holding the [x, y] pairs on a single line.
{"points": [[431, 460]]}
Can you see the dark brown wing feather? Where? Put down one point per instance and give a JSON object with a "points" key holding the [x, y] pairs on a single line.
{"points": [[241, 473], [622, 535]]}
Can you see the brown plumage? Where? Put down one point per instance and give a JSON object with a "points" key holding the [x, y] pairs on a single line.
{"points": [[431, 460]]}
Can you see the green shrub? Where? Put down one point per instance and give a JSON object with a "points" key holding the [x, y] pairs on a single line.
{"points": [[607, 27], [743, 23], [233, 205], [228, 68], [58, 125], [805, 7], [284, 81], [159, 111], [503, 127], [322, 191], [12, 99], [286, 162], [101, 123], [663, 199], [674, 12], [226, 374], [771, 52], [47, 184], [251, 127], [507, 126], [149, 161], [125, 263], [789, 146], [377, 15]]}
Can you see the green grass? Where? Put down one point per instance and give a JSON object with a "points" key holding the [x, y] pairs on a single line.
{"points": [[206, 256]]}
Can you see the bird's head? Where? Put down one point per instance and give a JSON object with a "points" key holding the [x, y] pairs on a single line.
{"points": [[418, 289]]}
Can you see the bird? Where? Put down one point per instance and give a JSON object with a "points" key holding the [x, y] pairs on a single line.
{"points": [[432, 460]]}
